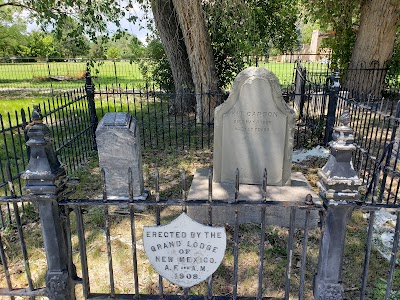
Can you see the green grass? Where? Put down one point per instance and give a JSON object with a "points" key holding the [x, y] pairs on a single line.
{"points": [[38, 75], [13, 107], [284, 71]]}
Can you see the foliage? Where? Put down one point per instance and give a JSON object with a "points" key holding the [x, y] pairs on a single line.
{"points": [[12, 35], [306, 30], [113, 52], [11, 39], [39, 44], [339, 16], [239, 28], [70, 41], [124, 45], [236, 29], [97, 49], [156, 67], [392, 77], [91, 17], [380, 291]]}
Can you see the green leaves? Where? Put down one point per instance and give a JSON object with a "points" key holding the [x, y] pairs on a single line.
{"points": [[241, 28], [340, 16]]}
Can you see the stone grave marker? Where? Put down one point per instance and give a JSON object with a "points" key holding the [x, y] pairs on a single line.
{"points": [[254, 130], [118, 143], [184, 252]]}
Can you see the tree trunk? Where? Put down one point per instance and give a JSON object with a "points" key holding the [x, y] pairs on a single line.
{"points": [[172, 39], [198, 47], [374, 46]]}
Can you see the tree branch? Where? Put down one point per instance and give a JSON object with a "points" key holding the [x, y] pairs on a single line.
{"points": [[15, 4]]}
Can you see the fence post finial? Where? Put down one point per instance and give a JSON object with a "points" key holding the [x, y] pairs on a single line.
{"points": [[44, 174], [45, 182]]}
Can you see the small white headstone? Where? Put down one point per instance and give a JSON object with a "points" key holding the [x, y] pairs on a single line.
{"points": [[185, 252], [254, 130]]}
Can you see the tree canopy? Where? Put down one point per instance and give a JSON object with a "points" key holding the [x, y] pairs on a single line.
{"points": [[12, 32], [365, 38], [254, 27]]}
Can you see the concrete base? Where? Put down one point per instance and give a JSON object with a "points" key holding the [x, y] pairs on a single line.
{"points": [[278, 215]]}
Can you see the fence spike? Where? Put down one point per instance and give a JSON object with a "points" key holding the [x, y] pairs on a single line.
{"points": [[236, 184], [183, 180], [265, 177], [130, 184], [210, 179], [157, 184], [103, 179]]}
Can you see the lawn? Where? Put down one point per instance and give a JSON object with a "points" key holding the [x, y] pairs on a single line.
{"points": [[67, 75]]}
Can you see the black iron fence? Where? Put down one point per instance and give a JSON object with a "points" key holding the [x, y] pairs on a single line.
{"points": [[57, 75], [72, 119], [163, 125], [375, 122], [376, 138], [69, 120]]}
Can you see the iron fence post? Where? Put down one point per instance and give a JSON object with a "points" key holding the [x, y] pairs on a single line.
{"points": [[45, 182], [300, 88], [338, 187], [89, 87], [334, 89]]}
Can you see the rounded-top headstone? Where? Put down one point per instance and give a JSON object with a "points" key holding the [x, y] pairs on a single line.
{"points": [[254, 130]]}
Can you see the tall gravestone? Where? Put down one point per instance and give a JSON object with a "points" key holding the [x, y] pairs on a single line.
{"points": [[253, 130], [119, 149]]}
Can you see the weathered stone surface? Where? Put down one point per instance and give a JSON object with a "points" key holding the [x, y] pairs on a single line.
{"points": [[253, 130], [184, 251], [338, 179], [119, 149], [278, 215]]}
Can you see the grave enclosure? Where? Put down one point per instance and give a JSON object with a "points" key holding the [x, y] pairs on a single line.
{"points": [[253, 131]]}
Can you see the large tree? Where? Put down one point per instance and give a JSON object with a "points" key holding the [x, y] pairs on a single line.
{"points": [[201, 59], [184, 32], [69, 39], [216, 35], [365, 37], [171, 36], [374, 44], [12, 33]]}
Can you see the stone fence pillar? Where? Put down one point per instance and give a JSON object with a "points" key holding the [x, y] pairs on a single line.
{"points": [[45, 180], [338, 186]]}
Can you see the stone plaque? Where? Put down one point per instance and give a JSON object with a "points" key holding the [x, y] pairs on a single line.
{"points": [[254, 130], [184, 252], [118, 143]]}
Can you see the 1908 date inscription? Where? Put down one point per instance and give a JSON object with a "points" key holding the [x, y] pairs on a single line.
{"points": [[185, 252]]}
